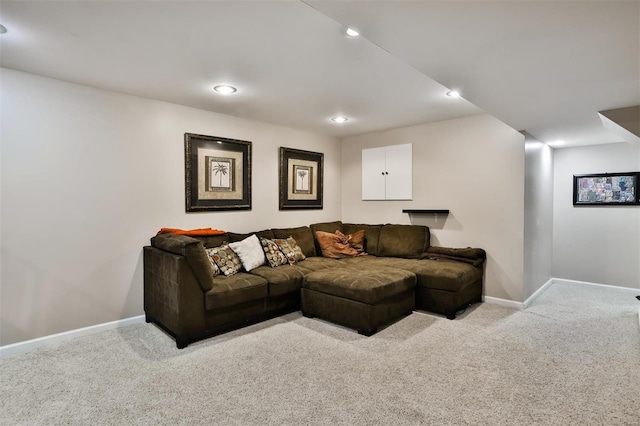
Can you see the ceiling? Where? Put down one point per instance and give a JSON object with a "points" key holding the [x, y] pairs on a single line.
{"points": [[545, 67]]}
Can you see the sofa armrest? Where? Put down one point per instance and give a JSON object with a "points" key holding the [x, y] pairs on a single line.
{"points": [[473, 256], [173, 297], [193, 250]]}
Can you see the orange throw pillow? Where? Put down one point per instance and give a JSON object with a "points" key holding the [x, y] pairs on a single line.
{"points": [[339, 246]]}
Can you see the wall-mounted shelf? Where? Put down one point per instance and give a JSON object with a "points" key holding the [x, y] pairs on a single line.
{"points": [[422, 211]]}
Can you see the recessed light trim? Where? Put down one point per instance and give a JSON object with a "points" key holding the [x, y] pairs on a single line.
{"points": [[453, 94], [225, 89], [3, 29], [339, 119], [352, 33]]}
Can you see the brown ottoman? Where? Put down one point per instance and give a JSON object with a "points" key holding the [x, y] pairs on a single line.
{"points": [[360, 299]]}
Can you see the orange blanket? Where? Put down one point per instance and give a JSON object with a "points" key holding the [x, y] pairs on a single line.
{"points": [[200, 232]]}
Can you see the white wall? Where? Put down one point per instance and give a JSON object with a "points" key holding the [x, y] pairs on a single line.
{"points": [[472, 166], [88, 176], [596, 244], [538, 215]]}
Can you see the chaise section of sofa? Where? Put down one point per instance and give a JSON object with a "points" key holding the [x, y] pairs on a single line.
{"points": [[448, 279]]}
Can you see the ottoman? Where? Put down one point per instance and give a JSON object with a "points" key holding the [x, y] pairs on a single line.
{"points": [[360, 299]]}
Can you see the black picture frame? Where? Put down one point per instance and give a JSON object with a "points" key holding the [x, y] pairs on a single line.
{"points": [[217, 173], [301, 179], [606, 189]]}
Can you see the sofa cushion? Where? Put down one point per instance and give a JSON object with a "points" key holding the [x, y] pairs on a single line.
{"points": [[371, 235], [232, 237], [433, 274], [369, 286], [337, 245], [302, 235], [272, 252], [330, 227], [250, 252], [316, 263], [445, 274], [408, 241], [291, 250], [282, 280], [226, 259], [239, 288], [214, 241]]}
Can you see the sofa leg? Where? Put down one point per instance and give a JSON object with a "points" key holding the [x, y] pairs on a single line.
{"points": [[450, 314], [406, 314], [182, 342], [306, 314], [368, 333], [147, 318]]}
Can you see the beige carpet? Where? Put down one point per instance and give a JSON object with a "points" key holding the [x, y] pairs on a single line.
{"points": [[572, 358]]}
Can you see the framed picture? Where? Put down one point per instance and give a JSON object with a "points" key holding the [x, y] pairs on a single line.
{"points": [[301, 177], [606, 189], [217, 173]]}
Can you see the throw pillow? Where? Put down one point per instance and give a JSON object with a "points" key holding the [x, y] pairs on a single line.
{"points": [[291, 250], [274, 256], [249, 251], [355, 240], [338, 245], [228, 262], [214, 265]]}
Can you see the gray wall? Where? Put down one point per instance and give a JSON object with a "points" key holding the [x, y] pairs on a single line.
{"points": [[473, 166], [88, 176], [595, 244], [538, 214]]}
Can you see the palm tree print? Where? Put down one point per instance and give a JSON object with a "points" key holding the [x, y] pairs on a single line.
{"points": [[302, 174], [220, 169]]}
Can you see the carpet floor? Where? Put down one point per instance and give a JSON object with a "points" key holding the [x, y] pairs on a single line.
{"points": [[571, 358]]}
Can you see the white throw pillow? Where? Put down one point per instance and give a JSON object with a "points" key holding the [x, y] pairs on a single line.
{"points": [[249, 251]]}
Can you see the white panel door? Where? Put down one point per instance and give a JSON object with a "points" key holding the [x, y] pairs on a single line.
{"points": [[399, 172], [373, 174]]}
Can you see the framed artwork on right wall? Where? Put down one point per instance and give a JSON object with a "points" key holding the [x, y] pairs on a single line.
{"points": [[606, 189]]}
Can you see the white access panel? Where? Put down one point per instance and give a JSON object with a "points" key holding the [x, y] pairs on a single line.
{"points": [[399, 172], [373, 177]]}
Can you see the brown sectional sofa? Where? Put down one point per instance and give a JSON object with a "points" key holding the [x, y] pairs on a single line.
{"points": [[401, 272]]}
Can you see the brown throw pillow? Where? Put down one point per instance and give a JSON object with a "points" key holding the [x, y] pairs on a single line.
{"points": [[338, 245], [357, 240]]}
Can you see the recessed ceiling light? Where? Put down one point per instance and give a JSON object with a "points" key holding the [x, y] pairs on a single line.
{"points": [[3, 29], [352, 33], [453, 94], [225, 89], [339, 119], [558, 142]]}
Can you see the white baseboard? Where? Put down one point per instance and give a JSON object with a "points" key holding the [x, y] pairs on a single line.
{"points": [[615, 287], [22, 347], [545, 286], [537, 293], [503, 302]]}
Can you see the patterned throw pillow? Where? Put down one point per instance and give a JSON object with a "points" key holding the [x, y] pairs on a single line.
{"points": [[273, 253], [216, 270], [291, 250], [226, 259]]}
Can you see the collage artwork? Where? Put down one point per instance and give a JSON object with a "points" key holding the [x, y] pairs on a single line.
{"points": [[607, 189]]}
